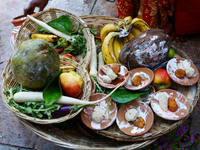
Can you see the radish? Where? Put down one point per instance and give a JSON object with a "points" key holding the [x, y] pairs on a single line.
{"points": [[21, 97], [93, 63]]}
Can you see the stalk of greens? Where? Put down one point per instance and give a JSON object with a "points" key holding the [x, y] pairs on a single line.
{"points": [[99, 88], [36, 109]]}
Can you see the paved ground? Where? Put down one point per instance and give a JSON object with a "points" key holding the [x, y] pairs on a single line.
{"points": [[14, 135]]}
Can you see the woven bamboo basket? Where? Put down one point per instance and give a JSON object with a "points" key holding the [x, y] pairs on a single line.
{"points": [[8, 81], [160, 126], [29, 27], [112, 138]]}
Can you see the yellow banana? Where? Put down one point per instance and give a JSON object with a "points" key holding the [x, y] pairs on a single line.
{"points": [[46, 37], [117, 48], [107, 48], [130, 36], [67, 68], [128, 20], [121, 24], [135, 31], [140, 24], [107, 29]]}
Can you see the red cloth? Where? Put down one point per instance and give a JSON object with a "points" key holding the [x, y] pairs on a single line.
{"points": [[187, 17]]}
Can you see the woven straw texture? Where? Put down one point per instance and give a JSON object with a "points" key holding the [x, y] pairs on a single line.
{"points": [[8, 81], [29, 27]]}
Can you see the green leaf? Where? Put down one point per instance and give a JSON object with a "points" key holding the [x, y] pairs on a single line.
{"points": [[125, 96], [52, 92], [62, 24]]}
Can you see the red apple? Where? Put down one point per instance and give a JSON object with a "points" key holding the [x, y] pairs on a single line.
{"points": [[72, 83], [161, 79]]}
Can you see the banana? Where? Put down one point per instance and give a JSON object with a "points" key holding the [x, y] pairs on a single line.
{"points": [[107, 29], [128, 20], [67, 68], [130, 36], [117, 47], [135, 31], [121, 24], [107, 48], [140, 24], [46, 37]]}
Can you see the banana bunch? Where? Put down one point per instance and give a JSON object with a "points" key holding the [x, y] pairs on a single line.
{"points": [[112, 42]]}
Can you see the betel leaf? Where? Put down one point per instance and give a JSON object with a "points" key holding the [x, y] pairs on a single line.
{"points": [[125, 96], [53, 91], [62, 24]]}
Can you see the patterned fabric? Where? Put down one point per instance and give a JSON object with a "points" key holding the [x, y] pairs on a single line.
{"points": [[157, 13], [181, 138]]}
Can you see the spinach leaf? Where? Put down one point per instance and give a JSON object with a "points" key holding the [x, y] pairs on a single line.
{"points": [[52, 92], [124, 96], [62, 24]]}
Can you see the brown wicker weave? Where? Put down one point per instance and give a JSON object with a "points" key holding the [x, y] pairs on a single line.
{"points": [[72, 138], [29, 27], [160, 126], [8, 81]]}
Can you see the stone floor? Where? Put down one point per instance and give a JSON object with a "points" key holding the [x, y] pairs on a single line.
{"points": [[13, 134]]}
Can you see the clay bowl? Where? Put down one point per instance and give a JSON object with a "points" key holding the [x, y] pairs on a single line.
{"points": [[17, 21], [148, 72], [181, 100], [185, 81], [123, 76], [86, 113], [128, 127]]}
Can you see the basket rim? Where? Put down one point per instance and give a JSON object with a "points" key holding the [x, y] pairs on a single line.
{"points": [[61, 143], [83, 61]]}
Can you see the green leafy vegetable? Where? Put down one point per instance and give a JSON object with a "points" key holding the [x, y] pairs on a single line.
{"points": [[124, 96], [53, 91], [62, 24], [79, 46], [99, 88], [36, 109]]}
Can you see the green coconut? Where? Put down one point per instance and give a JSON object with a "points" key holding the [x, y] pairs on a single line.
{"points": [[34, 63]]}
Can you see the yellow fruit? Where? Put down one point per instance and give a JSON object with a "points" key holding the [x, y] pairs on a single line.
{"points": [[117, 48], [67, 68], [121, 24], [128, 20], [140, 24], [107, 48], [135, 31], [130, 36], [107, 29], [46, 37]]}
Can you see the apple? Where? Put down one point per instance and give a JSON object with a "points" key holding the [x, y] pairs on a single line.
{"points": [[161, 79], [72, 83]]}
